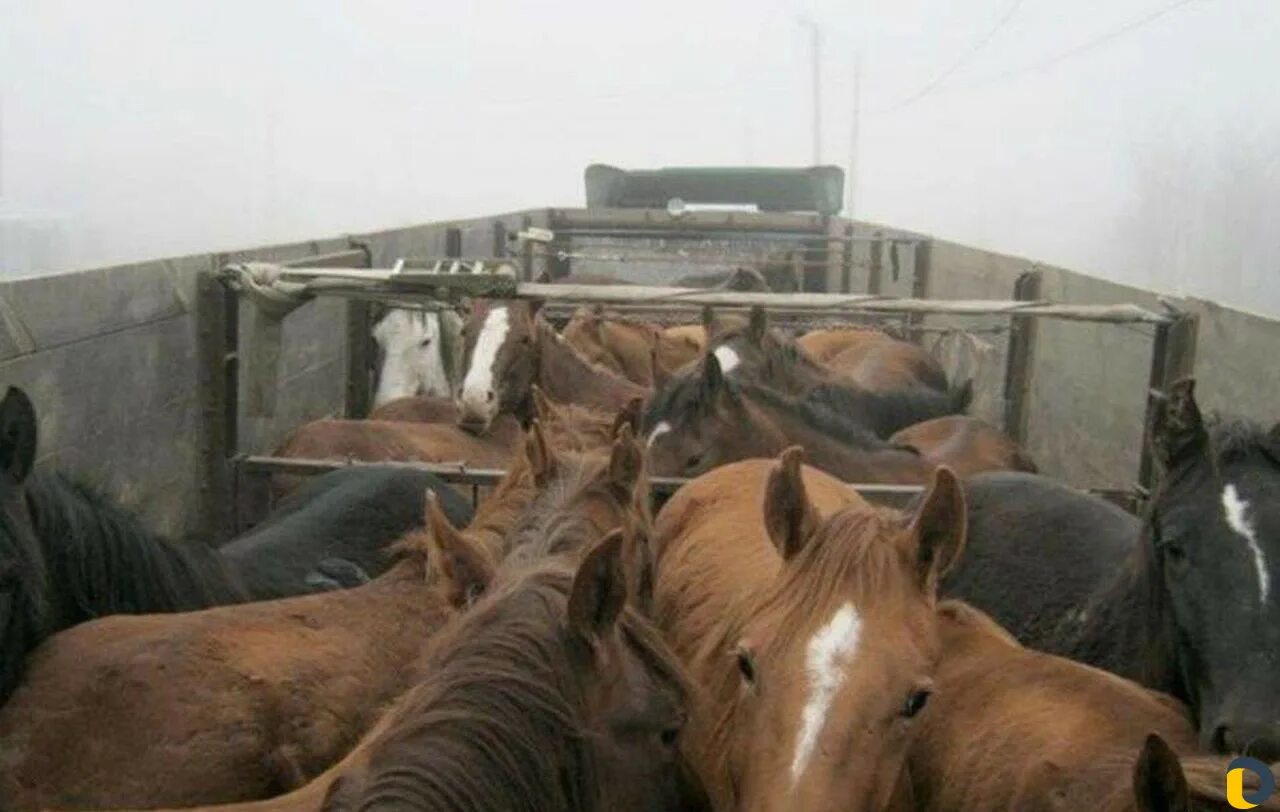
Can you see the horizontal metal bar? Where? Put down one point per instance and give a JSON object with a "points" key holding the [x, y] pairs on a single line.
{"points": [[343, 281], [462, 474], [348, 257], [697, 220]]}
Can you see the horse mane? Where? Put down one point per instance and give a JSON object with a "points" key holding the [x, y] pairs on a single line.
{"points": [[500, 721], [1234, 439], [549, 527], [828, 408], [103, 560]]}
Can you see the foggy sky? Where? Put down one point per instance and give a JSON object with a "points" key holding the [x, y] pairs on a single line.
{"points": [[150, 128]]}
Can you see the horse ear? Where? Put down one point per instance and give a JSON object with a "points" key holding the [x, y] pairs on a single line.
{"points": [[643, 570], [713, 382], [599, 590], [626, 460], [535, 308], [708, 319], [542, 460], [18, 433], [628, 415], [1159, 784], [660, 376], [543, 409], [939, 528], [757, 325], [790, 518], [465, 568], [1178, 429]]}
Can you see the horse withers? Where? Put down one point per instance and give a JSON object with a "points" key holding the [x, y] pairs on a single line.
{"points": [[808, 618], [1184, 601]]}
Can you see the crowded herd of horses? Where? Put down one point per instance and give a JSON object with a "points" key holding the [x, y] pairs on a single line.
{"points": [[764, 639]]}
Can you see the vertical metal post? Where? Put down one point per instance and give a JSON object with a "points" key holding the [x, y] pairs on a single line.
{"points": [[217, 339], [558, 267], [923, 268], [1173, 356], [1020, 362], [840, 255], [875, 264], [361, 356], [499, 239], [453, 242], [526, 251]]}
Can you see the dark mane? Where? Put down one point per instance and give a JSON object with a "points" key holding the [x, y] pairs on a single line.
{"points": [[1235, 439], [500, 722], [885, 413], [103, 560], [828, 409]]}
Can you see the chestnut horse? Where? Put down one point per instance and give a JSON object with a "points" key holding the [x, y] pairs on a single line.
{"points": [[967, 445], [1185, 602], [393, 441], [1018, 730], [706, 419], [873, 360], [625, 346], [809, 622], [417, 409], [551, 694], [509, 347]]}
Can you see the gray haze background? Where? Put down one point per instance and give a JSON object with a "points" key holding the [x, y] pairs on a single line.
{"points": [[146, 128]]}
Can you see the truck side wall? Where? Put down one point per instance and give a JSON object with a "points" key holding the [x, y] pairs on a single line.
{"points": [[109, 357]]}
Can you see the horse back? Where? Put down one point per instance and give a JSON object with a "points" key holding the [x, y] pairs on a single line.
{"points": [[1037, 551]]}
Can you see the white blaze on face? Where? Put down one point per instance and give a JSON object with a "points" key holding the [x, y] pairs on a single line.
{"points": [[479, 398], [728, 358], [412, 362], [830, 652], [662, 428], [1237, 513]]}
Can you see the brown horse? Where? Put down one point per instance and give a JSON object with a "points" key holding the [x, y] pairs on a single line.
{"points": [[749, 350], [967, 445], [826, 343], [550, 694], [393, 441], [509, 348], [874, 360], [223, 704], [810, 627], [283, 667], [625, 346], [706, 419], [1015, 729], [678, 347], [417, 409]]}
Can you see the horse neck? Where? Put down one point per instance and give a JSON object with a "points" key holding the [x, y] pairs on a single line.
{"points": [[567, 377], [853, 463], [1120, 630], [103, 561]]}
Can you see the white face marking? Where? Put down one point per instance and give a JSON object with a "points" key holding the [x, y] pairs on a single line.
{"points": [[1237, 510], [658, 430], [412, 359], [478, 383], [727, 357], [831, 649]]}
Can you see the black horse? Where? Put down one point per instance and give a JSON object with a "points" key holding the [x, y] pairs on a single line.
{"points": [[68, 554], [1184, 601]]}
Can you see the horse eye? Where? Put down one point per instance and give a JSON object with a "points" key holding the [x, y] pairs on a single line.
{"points": [[915, 703], [426, 342], [693, 461], [669, 736], [746, 664], [1175, 557]]}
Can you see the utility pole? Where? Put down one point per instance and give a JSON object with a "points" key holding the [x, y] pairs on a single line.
{"points": [[815, 58], [855, 135]]}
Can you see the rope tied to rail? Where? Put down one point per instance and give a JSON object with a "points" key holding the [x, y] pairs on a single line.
{"points": [[273, 298]]}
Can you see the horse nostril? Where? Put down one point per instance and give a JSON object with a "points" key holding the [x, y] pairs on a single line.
{"points": [[1219, 742], [488, 396]]}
